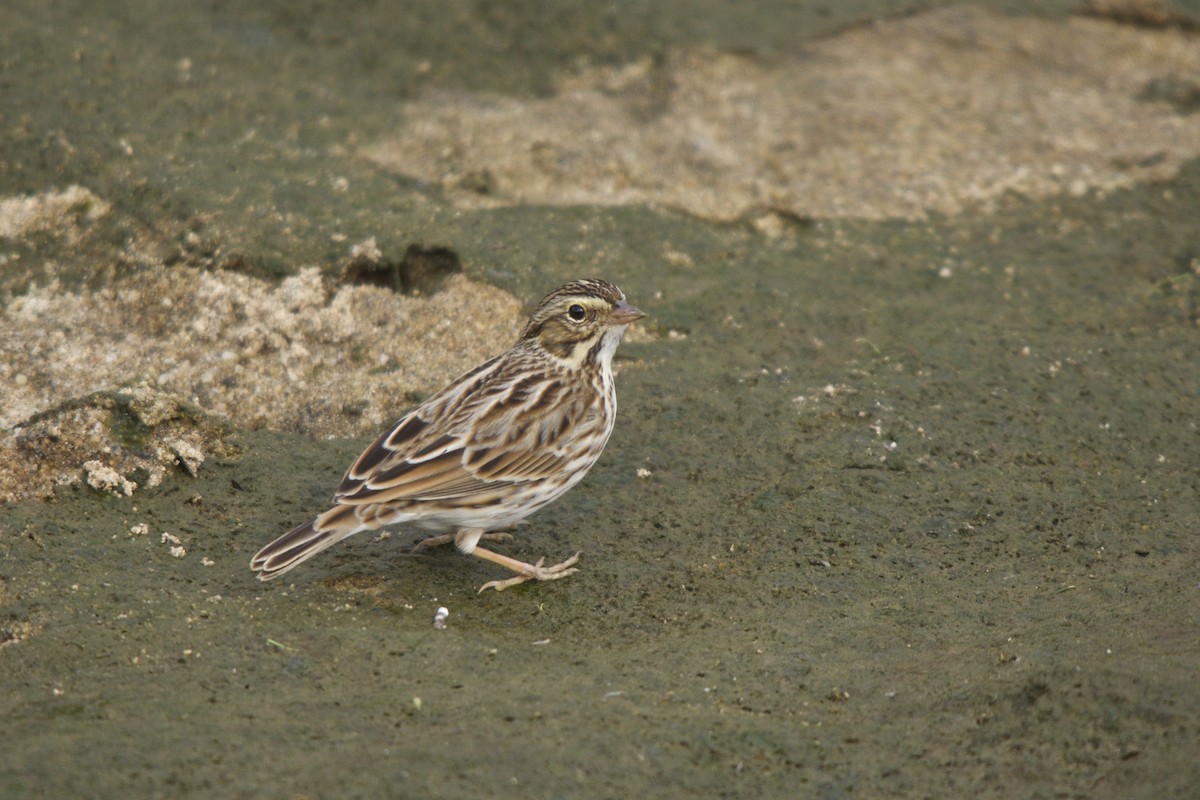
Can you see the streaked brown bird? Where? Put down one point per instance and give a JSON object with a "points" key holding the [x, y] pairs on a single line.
{"points": [[491, 448]]}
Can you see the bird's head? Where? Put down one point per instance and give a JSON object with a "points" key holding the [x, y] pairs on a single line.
{"points": [[581, 322]]}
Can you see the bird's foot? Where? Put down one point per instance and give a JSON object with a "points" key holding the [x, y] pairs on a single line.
{"points": [[530, 572]]}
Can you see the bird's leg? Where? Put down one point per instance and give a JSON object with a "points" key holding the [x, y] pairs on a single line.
{"points": [[467, 539], [431, 542], [525, 572]]}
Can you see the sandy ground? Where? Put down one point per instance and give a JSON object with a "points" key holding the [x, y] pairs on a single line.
{"points": [[902, 497], [930, 113]]}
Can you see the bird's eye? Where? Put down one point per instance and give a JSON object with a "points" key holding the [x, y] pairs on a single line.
{"points": [[576, 312]]}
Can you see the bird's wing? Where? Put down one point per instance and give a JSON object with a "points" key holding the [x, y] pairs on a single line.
{"points": [[486, 431]]}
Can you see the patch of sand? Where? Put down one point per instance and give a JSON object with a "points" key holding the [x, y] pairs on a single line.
{"points": [[300, 355], [51, 211], [939, 111], [106, 437]]}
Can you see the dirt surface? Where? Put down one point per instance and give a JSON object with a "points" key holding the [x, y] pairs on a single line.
{"points": [[894, 507]]}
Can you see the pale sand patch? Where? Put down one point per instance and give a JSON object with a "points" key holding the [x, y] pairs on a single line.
{"points": [[939, 111], [56, 212], [105, 438], [300, 355]]}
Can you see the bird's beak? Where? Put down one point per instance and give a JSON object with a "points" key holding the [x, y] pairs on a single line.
{"points": [[623, 314]]}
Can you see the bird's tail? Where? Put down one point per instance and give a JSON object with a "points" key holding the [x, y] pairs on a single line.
{"points": [[305, 541]]}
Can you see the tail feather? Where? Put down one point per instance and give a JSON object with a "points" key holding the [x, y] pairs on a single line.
{"points": [[305, 541]]}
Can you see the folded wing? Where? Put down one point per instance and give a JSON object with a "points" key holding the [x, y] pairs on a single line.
{"points": [[485, 432]]}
